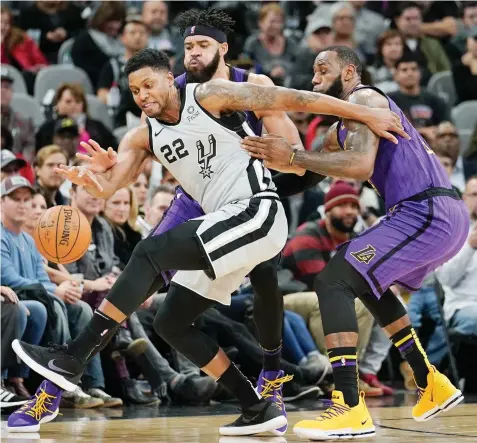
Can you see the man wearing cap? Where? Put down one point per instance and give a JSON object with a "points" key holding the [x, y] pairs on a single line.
{"points": [[10, 165], [23, 266], [66, 136], [22, 129], [312, 247]]}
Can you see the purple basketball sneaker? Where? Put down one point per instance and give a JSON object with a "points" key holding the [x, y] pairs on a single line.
{"points": [[41, 408], [269, 386]]}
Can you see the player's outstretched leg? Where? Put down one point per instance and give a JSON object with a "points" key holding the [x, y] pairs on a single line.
{"points": [[175, 249], [268, 318], [435, 391], [174, 323], [347, 415]]}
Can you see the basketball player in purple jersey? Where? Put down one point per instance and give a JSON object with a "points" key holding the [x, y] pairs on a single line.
{"points": [[426, 224]]}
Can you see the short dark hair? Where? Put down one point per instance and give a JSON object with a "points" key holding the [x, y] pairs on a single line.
{"points": [[407, 57], [147, 58], [407, 5], [211, 17], [346, 56], [134, 19], [465, 5], [166, 189]]}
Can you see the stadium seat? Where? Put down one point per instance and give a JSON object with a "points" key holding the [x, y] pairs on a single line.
{"points": [[99, 111], [19, 84], [465, 136], [120, 132], [51, 77], [28, 107], [464, 115], [442, 84], [64, 54]]}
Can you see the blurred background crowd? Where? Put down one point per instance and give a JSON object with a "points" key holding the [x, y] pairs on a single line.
{"points": [[62, 83]]}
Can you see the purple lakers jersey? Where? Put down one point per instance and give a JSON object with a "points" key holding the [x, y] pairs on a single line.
{"points": [[236, 75], [405, 169]]}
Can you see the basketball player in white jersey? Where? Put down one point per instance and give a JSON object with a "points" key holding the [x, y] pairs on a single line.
{"points": [[244, 224]]}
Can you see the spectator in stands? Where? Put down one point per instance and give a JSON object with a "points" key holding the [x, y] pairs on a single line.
{"points": [[140, 188], [447, 148], [428, 51], [368, 27], [10, 165], [70, 101], [154, 208], [134, 36], [53, 22], [93, 47], [458, 44], [307, 253], [423, 109], [390, 50], [155, 15], [270, 49], [470, 156], [66, 136], [21, 129], [120, 210], [343, 21], [23, 269], [9, 331], [459, 275], [38, 207], [48, 182], [464, 71], [168, 178], [317, 37], [19, 50]]}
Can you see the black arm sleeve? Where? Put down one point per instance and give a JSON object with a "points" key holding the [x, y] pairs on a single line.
{"points": [[291, 184]]}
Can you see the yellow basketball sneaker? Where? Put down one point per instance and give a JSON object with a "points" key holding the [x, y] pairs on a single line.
{"points": [[440, 395], [338, 421]]}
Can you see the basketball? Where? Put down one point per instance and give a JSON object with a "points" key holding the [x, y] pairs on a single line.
{"points": [[62, 234]]}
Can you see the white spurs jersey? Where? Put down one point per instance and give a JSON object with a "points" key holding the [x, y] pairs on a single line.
{"points": [[204, 154]]}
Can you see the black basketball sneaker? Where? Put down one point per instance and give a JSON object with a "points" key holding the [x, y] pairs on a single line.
{"points": [[261, 417], [53, 363]]}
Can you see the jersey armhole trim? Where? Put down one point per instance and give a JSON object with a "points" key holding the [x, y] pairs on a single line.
{"points": [[150, 135]]}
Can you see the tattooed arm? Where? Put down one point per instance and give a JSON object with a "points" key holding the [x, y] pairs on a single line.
{"points": [[222, 95], [361, 145]]}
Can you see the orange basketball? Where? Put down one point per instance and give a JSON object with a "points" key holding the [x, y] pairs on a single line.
{"points": [[62, 234]]}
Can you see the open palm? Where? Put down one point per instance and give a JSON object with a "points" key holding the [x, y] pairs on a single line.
{"points": [[99, 160], [79, 175]]}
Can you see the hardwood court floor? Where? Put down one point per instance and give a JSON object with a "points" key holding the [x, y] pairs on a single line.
{"points": [[199, 425]]}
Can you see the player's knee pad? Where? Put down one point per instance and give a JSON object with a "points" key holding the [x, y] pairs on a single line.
{"points": [[385, 310]]}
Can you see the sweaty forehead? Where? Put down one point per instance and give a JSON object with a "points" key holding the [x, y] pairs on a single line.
{"points": [[327, 58]]}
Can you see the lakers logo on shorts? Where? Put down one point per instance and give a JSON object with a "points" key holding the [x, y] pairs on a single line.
{"points": [[365, 255]]}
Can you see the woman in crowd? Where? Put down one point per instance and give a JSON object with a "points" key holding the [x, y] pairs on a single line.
{"points": [[140, 189], [95, 46], [270, 48], [70, 101], [19, 50], [390, 50]]}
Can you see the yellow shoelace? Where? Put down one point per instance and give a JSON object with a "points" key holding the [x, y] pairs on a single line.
{"points": [[272, 385], [41, 401], [334, 409]]}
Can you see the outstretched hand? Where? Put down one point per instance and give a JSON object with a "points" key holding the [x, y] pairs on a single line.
{"points": [[79, 175], [384, 121], [99, 160]]}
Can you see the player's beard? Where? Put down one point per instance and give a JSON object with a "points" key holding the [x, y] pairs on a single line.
{"points": [[205, 74], [338, 224], [336, 88]]}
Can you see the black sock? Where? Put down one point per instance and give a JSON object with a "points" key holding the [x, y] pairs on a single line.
{"points": [[410, 347], [345, 372], [239, 386], [92, 336], [271, 359]]}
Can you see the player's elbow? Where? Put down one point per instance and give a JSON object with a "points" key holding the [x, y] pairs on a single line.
{"points": [[364, 171]]}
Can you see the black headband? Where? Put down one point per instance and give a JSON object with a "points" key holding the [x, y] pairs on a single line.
{"points": [[214, 33]]}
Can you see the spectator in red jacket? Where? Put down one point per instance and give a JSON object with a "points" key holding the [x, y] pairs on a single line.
{"points": [[19, 50]]}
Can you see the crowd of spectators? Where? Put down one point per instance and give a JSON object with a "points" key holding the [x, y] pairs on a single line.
{"points": [[423, 54]]}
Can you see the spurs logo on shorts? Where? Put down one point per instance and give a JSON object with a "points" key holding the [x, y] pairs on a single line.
{"points": [[204, 157], [365, 255]]}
